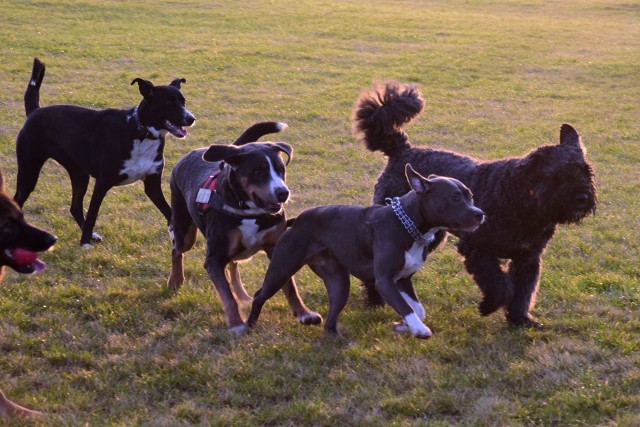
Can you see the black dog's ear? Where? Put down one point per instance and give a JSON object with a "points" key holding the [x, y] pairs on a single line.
{"points": [[416, 181], [177, 82], [285, 148], [216, 153], [570, 137], [145, 86]]}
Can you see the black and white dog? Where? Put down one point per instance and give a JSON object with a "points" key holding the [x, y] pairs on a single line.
{"points": [[116, 147]]}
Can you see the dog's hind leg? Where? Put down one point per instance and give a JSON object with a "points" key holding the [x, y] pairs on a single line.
{"points": [[29, 167], [99, 192], [79, 185], [233, 276], [525, 275], [289, 255], [336, 280], [184, 237], [494, 283]]}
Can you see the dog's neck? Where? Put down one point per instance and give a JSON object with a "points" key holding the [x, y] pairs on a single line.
{"points": [[143, 131], [420, 230]]}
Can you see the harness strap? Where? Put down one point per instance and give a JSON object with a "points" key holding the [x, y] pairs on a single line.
{"points": [[207, 188]]}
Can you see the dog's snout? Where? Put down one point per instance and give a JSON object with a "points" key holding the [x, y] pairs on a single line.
{"points": [[582, 198], [282, 194], [189, 119], [479, 216]]}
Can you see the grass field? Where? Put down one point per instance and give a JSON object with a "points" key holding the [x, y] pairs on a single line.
{"points": [[97, 340]]}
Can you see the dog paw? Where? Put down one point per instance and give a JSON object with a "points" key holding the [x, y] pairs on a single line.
{"points": [[416, 327], [488, 306], [312, 318], [86, 246], [238, 330], [95, 237], [525, 322]]}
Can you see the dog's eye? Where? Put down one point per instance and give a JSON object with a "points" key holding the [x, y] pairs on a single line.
{"points": [[257, 172]]}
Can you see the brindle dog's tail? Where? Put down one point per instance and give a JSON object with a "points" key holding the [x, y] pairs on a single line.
{"points": [[32, 94], [380, 115], [254, 132]]}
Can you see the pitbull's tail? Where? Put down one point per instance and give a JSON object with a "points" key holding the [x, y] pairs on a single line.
{"points": [[32, 94], [254, 132], [380, 115]]}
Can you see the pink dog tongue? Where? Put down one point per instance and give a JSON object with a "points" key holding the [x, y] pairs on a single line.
{"points": [[39, 266]]}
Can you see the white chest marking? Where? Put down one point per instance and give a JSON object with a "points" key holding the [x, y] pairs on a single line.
{"points": [[413, 260], [252, 238], [142, 162]]}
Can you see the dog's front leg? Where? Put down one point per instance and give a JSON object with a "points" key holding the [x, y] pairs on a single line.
{"points": [[389, 291], [233, 276], [494, 283], [215, 268], [525, 275], [408, 292], [99, 191], [153, 190]]}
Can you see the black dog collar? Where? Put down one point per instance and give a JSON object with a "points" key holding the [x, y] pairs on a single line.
{"points": [[143, 131]]}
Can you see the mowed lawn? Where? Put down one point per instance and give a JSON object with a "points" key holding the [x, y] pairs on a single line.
{"points": [[97, 340]]}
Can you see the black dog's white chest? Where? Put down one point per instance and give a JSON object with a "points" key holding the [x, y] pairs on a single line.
{"points": [[145, 159]]}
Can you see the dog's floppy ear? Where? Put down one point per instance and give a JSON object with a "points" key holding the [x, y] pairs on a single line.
{"points": [[145, 86], [217, 153], [285, 148], [570, 137], [177, 82], [416, 181]]}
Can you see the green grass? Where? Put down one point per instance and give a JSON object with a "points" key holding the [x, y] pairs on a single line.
{"points": [[97, 340]]}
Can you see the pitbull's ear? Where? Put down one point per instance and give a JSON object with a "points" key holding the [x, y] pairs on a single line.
{"points": [[145, 86], [177, 82], [216, 153], [416, 181], [285, 148]]}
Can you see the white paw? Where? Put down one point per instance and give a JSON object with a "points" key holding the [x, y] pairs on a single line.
{"points": [[312, 318], [96, 237], [417, 328], [86, 246]]}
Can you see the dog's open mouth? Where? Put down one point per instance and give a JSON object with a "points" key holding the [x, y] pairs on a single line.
{"points": [[24, 261], [177, 131], [270, 207]]}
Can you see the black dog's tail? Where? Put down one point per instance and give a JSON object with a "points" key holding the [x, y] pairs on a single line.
{"points": [[380, 115], [32, 94], [254, 132]]}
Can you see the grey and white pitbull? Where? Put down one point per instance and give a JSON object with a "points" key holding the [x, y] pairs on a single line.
{"points": [[378, 244]]}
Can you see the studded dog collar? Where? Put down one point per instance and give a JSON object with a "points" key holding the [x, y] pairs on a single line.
{"points": [[408, 224]]}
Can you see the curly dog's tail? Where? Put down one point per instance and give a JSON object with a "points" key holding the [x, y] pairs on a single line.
{"points": [[380, 115]]}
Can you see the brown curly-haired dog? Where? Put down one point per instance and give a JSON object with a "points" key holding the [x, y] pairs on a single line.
{"points": [[524, 198]]}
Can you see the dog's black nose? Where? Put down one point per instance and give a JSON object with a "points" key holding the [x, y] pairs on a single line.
{"points": [[282, 194], [581, 199], [189, 120]]}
